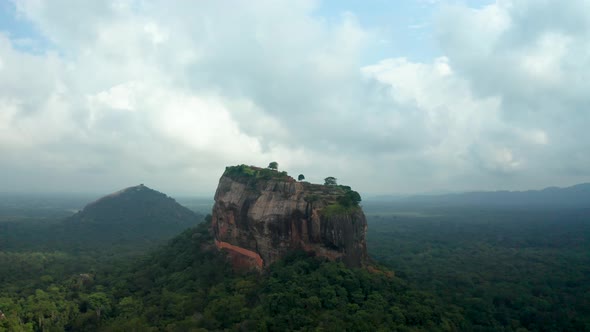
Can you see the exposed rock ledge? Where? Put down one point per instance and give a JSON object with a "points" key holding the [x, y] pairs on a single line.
{"points": [[259, 216]]}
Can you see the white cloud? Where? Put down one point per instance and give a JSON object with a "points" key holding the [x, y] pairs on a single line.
{"points": [[543, 62], [169, 95]]}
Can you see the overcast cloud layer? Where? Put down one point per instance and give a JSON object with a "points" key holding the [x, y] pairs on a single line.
{"points": [[130, 92]]}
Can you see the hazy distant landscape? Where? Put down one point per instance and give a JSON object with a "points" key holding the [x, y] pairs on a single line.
{"points": [[428, 165], [484, 267]]}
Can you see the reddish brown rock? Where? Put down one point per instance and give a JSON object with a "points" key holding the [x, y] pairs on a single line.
{"points": [[260, 216]]}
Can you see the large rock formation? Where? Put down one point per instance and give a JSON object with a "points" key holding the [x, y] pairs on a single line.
{"points": [[260, 215]]}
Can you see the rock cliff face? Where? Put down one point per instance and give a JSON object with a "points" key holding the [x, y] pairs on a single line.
{"points": [[260, 215]]}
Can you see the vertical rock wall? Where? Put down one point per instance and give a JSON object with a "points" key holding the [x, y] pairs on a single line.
{"points": [[260, 220]]}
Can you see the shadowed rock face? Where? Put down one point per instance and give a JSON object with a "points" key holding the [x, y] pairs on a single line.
{"points": [[259, 220]]}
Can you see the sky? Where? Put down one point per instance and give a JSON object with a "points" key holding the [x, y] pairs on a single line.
{"points": [[390, 97]]}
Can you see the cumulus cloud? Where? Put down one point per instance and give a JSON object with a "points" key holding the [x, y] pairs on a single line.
{"points": [[146, 91], [533, 55]]}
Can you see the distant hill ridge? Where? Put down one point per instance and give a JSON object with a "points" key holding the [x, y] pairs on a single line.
{"points": [[574, 196], [134, 214], [120, 192], [138, 204]]}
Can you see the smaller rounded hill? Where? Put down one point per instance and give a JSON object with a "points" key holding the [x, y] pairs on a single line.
{"points": [[136, 214]]}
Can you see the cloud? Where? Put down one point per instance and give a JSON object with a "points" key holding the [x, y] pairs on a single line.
{"points": [[145, 92], [530, 54], [154, 88]]}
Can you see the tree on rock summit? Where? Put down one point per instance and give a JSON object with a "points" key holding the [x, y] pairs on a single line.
{"points": [[330, 181], [273, 165]]}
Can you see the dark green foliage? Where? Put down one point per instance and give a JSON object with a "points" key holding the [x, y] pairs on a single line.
{"points": [[187, 285], [130, 221], [338, 209], [299, 293], [62, 299], [349, 198], [137, 216], [507, 269], [250, 173], [273, 165], [455, 270], [347, 202], [301, 177], [330, 181], [302, 293], [241, 171]]}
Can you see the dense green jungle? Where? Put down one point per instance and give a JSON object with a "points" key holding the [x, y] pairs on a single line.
{"points": [[437, 268]]}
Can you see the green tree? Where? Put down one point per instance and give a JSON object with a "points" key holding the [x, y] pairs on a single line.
{"points": [[129, 307], [273, 165], [100, 303], [301, 177], [330, 181], [350, 198]]}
